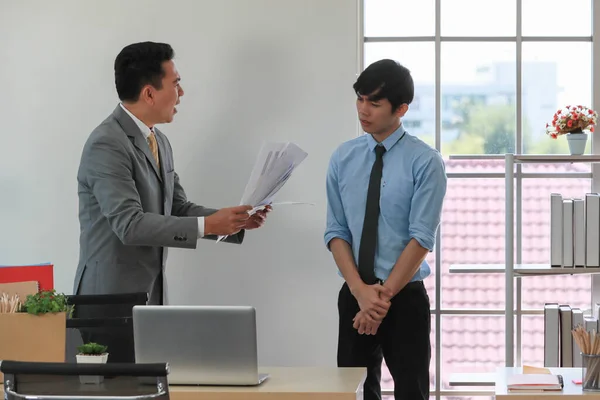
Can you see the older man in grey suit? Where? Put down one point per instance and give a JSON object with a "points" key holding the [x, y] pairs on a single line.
{"points": [[131, 202]]}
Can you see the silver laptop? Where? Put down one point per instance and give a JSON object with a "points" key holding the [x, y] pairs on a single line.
{"points": [[204, 345]]}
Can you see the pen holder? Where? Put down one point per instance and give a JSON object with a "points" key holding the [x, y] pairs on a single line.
{"points": [[590, 372]]}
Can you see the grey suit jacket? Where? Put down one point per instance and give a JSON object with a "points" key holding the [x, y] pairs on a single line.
{"points": [[129, 211]]}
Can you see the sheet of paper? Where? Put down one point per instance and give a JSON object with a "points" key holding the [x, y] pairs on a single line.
{"points": [[280, 203], [273, 167], [527, 369]]}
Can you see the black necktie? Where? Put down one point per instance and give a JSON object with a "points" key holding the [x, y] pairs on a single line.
{"points": [[368, 239]]}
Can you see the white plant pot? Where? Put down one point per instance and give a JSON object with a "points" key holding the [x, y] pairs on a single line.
{"points": [[91, 359], [577, 142]]}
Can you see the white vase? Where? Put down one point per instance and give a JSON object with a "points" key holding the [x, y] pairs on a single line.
{"points": [[577, 142], [91, 359]]}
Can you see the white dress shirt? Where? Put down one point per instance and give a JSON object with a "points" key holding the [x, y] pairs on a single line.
{"points": [[146, 131]]}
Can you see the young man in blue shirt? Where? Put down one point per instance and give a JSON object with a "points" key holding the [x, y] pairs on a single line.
{"points": [[385, 192]]}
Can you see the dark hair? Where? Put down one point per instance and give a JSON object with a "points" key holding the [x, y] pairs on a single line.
{"points": [[386, 79], [138, 65]]}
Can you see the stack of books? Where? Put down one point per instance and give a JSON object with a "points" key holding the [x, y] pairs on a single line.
{"points": [[559, 320], [575, 231]]}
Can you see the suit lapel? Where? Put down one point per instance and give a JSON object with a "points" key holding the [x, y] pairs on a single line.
{"points": [[133, 131], [167, 181]]}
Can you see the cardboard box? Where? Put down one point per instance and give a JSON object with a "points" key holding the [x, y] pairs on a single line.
{"points": [[27, 337]]}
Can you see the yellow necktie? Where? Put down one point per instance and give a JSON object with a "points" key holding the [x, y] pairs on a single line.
{"points": [[153, 147]]}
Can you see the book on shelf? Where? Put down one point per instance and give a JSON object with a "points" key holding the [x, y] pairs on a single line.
{"points": [[560, 350], [567, 242], [592, 230], [575, 231], [590, 323], [566, 339], [578, 233], [556, 229], [551, 335], [576, 320]]}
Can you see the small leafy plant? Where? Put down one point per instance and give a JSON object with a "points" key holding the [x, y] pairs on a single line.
{"points": [[47, 301], [92, 349]]}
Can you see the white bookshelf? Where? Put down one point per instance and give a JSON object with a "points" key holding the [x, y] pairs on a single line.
{"points": [[510, 269], [531, 158], [520, 269]]}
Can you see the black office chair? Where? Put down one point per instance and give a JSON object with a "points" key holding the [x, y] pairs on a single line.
{"points": [[60, 381], [105, 319]]}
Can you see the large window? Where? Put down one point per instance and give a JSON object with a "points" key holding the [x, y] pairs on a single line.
{"points": [[488, 76]]}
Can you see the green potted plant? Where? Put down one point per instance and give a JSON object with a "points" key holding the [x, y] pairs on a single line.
{"points": [[91, 353], [45, 302]]}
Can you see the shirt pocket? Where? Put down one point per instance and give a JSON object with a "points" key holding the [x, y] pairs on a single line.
{"points": [[353, 188], [396, 197]]}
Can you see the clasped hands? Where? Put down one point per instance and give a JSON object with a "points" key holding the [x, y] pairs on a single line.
{"points": [[374, 302]]}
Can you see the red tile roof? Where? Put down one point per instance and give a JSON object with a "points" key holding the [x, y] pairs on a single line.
{"points": [[472, 231]]}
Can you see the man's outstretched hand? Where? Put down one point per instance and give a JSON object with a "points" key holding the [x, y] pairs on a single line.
{"points": [[227, 221], [257, 219]]}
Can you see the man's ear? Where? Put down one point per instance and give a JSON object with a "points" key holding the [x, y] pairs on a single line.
{"points": [[147, 94], [401, 110]]}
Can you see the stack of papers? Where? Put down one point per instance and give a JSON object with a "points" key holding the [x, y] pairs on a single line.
{"points": [[273, 168], [534, 382]]}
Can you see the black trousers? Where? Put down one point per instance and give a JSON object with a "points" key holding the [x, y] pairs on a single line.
{"points": [[402, 338]]}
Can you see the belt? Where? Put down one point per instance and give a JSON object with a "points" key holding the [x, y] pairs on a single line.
{"points": [[409, 284]]}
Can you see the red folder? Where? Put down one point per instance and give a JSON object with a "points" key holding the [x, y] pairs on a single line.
{"points": [[42, 273]]}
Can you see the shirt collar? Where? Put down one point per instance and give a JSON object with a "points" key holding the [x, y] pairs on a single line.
{"points": [[145, 130], [390, 141]]}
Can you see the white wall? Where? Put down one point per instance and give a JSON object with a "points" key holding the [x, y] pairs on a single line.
{"points": [[252, 70]]}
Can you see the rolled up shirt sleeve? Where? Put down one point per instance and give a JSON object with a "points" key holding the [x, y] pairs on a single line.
{"points": [[336, 225], [428, 198]]}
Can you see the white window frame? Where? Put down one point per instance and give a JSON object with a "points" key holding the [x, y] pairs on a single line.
{"points": [[437, 39]]}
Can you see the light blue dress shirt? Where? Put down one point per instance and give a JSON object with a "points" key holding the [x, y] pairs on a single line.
{"points": [[413, 187]]}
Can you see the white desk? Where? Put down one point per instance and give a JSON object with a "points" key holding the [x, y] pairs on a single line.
{"points": [[571, 391], [473, 379], [285, 383]]}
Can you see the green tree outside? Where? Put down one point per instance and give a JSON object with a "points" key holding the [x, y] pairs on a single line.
{"points": [[490, 129]]}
